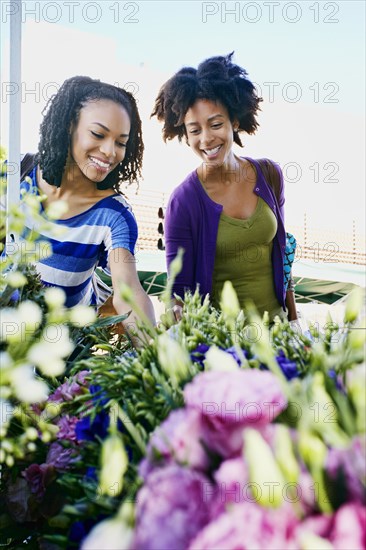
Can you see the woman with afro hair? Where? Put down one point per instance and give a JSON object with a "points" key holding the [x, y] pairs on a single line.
{"points": [[90, 142], [226, 215]]}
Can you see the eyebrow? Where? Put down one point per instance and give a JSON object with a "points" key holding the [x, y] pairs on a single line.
{"points": [[209, 119], [107, 129]]}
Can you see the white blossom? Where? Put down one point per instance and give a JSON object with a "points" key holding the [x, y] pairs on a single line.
{"points": [[54, 297], [82, 315], [219, 360]]}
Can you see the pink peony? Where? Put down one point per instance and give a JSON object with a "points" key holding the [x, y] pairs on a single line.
{"points": [[172, 507], [248, 526], [176, 439], [230, 401]]}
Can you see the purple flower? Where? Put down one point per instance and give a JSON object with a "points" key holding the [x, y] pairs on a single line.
{"points": [[172, 507], [176, 439], [60, 457], [350, 465], [39, 476], [288, 367], [70, 389], [229, 401], [67, 426], [248, 526]]}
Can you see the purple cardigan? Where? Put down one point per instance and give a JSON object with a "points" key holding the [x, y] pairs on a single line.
{"points": [[192, 221]]}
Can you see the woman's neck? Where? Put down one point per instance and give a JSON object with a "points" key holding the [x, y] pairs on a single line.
{"points": [[226, 174]]}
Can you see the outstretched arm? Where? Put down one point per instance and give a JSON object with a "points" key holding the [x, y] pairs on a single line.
{"points": [[123, 270]]}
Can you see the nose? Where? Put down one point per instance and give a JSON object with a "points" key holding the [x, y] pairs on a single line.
{"points": [[206, 136], [108, 148]]}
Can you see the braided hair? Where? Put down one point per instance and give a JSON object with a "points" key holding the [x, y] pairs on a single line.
{"points": [[215, 79], [62, 111]]}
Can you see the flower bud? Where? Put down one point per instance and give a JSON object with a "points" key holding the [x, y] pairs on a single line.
{"points": [[284, 454], [114, 462], [229, 302], [173, 358], [263, 469], [354, 304]]}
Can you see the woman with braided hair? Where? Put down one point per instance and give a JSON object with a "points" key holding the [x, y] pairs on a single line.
{"points": [[226, 215], [90, 142]]}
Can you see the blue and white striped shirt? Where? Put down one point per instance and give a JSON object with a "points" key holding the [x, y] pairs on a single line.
{"points": [[83, 245]]}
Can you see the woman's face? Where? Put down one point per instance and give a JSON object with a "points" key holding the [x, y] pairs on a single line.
{"points": [[99, 139], [209, 131]]}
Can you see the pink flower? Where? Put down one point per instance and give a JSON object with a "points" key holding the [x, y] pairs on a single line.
{"points": [[172, 507], [66, 426], [349, 530], [69, 389], [248, 526], [230, 401], [176, 439], [231, 485], [350, 464], [346, 528]]}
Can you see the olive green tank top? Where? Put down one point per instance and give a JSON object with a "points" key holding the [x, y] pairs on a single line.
{"points": [[243, 256]]}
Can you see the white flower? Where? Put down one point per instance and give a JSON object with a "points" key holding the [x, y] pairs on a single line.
{"points": [[30, 315], [82, 315], [115, 533], [54, 297], [216, 359], [53, 345], [56, 209], [52, 366], [111, 534], [16, 279], [26, 387]]}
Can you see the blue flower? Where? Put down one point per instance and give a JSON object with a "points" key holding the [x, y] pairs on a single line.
{"points": [[233, 351], [199, 353], [288, 367], [86, 429]]}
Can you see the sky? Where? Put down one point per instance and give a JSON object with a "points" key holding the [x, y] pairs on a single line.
{"points": [[306, 58]]}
